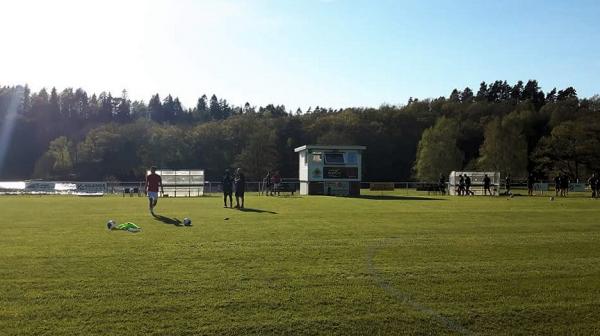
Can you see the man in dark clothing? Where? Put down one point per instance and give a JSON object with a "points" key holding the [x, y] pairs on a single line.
{"points": [[593, 184], [442, 184], [240, 187], [564, 185], [227, 188], [268, 185], [486, 185], [597, 185], [557, 183], [468, 185], [530, 182], [507, 182], [461, 185]]}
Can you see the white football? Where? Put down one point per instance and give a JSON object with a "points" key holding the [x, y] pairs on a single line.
{"points": [[187, 222], [110, 224]]}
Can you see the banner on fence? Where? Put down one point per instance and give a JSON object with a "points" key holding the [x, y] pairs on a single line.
{"points": [[90, 187], [576, 187], [381, 186]]}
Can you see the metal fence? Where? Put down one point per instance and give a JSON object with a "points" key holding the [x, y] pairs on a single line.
{"points": [[212, 187]]}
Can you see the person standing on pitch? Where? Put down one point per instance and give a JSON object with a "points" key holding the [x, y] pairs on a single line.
{"points": [[592, 182], [240, 187], [564, 185], [507, 182], [530, 182], [461, 185], [557, 184], [276, 183], [153, 181], [486, 185], [442, 184], [227, 183], [267, 184], [597, 185], [468, 191]]}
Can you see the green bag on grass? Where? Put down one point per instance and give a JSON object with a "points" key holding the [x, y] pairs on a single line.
{"points": [[128, 226]]}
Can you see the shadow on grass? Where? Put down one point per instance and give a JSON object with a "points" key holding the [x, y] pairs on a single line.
{"points": [[258, 211], [397, 198], [168, 220]]}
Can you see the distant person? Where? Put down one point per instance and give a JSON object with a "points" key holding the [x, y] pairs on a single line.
{"points": [[564, 185], [267, 184], [468, 185], [597, 185], [227, 183], [276, 182], [153, 181], [592, 183], [557, 184], [442, 184], [487, 182], [240, 188], [461, 185], [530, 183], [507, 182]]}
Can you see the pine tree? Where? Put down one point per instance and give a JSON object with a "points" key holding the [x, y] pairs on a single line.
{"points": [[516, 93], [567, 93], [467, 95], [54, 108], [168, 109], [178, 113], [215, 108], [455, 96], [201, 113], [155, 109], [105, 111], [551, 96], [82, 109], [482, 93]]}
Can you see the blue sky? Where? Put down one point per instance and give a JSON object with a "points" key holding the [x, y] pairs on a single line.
{"points": [[301, 53]]}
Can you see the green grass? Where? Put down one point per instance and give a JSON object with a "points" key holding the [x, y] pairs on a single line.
{"points": [[316, 265]]}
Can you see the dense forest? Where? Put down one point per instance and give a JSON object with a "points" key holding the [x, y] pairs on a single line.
{"points": [[515, 129]]}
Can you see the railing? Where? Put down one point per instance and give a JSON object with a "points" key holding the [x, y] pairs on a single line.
{"points": [[212, 187], [259, 187]]}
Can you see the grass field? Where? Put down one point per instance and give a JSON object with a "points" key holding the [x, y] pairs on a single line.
{"points": [[301, 265]]}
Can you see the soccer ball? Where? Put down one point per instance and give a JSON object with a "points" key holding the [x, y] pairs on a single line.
{"points": [[110, 224], [187, 222]]}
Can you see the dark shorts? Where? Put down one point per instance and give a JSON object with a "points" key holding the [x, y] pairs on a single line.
{"points": [[227, 192], [239, 193]]}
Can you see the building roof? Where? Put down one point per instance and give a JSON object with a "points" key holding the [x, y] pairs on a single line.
{"points": [[328, 147]]}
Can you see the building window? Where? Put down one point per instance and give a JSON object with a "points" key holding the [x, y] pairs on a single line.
{"points": [[352, 158], [334, 158]]}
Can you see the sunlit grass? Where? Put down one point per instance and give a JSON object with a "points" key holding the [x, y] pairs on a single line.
{"points": [[402, 264]]}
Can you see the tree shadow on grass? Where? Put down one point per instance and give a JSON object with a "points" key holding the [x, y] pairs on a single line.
{"points": [[168, 220], [397, 198], [258, 211]]}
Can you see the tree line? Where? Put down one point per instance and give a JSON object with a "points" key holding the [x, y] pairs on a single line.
{"points": [[515, 129]]}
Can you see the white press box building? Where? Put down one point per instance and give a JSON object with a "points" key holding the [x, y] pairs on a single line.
{"points": [[330, 170]]}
